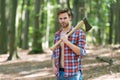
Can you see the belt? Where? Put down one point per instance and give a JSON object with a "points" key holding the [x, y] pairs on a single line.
{"points": [[61, 69]]}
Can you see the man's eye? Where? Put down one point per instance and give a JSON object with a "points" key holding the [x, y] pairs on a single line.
{"points": [[60, 18], [65, 17]]}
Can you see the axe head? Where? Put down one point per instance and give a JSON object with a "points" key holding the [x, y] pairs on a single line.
{"points": [[87, 25]]}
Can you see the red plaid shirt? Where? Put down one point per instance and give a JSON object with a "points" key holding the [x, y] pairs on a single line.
{"points": [[72, 62]]}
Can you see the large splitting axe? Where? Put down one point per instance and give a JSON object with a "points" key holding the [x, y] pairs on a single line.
{"points": [[87, 28]]}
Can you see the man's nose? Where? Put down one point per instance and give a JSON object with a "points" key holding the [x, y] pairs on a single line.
{"points": [[62, 20]]}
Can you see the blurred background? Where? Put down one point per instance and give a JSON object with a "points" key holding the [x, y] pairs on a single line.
{"points": [[31, 24]]}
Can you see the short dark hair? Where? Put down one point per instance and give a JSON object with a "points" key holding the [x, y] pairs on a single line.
{"points": [[65, 10]]}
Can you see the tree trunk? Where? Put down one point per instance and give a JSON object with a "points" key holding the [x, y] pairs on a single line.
{"points": [[118, 26], [111, 24], [56, 25], [3, 28], [11, 31], [117, 22], [26, 26], [37, 40], [75, 12], [99, 37], [48, 26], [78, 11], [20, 26]]}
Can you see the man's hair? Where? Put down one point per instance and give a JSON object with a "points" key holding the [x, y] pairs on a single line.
{"points": [[65, 10]]}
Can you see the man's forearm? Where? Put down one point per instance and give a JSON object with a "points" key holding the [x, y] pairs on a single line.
{"points": [[75, 48], [53, 62]]}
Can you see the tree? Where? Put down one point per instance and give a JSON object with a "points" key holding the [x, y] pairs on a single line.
{"points": [[99, 17], [3, 28], [37, 39], [12, 30], [56, 26], [20, 26], [78, 11], [110, 40], [117, 21], [26, 26]]}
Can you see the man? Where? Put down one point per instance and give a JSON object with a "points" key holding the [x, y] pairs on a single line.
{"points": [[66, 58]]}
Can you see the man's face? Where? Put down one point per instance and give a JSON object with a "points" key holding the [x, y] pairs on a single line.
{"points": [[64, 19]]}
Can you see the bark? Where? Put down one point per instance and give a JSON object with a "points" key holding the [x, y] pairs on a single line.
{"points": [[20, 26], [37, 40], [78, 11], [111, 25], [11, 31], [3, 28], [117, 22], [26, 26]]}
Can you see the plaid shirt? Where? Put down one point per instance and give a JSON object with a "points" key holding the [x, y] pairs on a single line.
{"points": [[72, 62]]}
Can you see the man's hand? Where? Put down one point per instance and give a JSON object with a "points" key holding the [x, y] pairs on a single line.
{"points": [[54, 70], [49, 51], [64, 38]]}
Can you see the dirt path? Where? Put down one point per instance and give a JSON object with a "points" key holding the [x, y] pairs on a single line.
{"points": [[38, 66]]}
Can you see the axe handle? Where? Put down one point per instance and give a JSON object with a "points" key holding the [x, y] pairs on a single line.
{"points": [[73, 30]]}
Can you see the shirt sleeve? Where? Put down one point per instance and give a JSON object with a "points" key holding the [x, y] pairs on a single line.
{"points": [[82, 43], [52, 56]]}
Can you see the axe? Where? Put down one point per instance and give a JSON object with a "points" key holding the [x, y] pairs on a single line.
{"points": [[87, 28]]}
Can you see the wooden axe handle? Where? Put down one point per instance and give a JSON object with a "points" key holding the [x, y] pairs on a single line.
{"points": [[73, 30]]}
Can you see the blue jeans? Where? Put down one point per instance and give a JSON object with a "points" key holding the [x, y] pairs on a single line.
{"points": [[78, 76]]}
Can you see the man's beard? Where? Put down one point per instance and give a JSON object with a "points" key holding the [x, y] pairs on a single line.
{"points": [[64, 25]]}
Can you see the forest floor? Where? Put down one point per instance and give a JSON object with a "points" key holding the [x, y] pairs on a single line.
{"points": [[38, 66]]}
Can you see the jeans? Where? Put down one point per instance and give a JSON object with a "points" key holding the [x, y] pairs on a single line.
{"points": [[78, 76]]}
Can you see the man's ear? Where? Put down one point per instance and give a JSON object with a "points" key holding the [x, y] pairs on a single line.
{"points": [[70, 17]]}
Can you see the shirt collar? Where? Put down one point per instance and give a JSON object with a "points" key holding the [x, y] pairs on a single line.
{"points": [[60, 30]]}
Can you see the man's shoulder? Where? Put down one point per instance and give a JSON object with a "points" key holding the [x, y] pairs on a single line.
{"points": [[57, 32], [79, 31]]}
